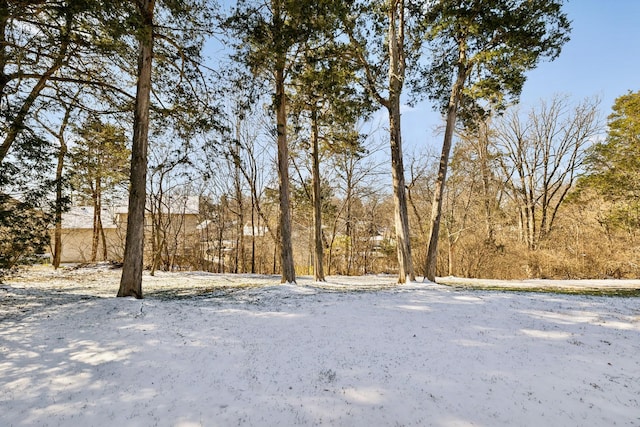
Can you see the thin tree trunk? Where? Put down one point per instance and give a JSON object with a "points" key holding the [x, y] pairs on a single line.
{"points": [[286, 250], [396, 76], [450, 260], [531, 226], [485, 169], [348, 244], [318, 268], [103, 237], [57, 234], [436, 207], [95, 240], [223, 219], [253, 236], [100, 228], [4, 20], [240, 255], [158, 236], [131, 280], [62, 153]]}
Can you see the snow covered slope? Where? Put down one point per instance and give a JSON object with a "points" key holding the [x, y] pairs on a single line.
{"points": [[216, 350]]}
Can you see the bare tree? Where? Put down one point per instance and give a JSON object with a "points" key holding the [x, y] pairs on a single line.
{"points": [[541, 157], [354, 178], [250, 157]]}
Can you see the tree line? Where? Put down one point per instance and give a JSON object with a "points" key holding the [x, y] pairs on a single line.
{"points": [[294, 82]]}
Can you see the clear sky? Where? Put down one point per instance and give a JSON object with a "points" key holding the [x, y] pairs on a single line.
{"points": [[601, 59]]}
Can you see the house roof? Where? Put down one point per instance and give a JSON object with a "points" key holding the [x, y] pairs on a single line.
{"points": [[177, 205], [81, 217], [246, 230], [189, 205]]}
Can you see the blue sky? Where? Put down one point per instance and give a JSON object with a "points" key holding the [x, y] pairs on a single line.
{"points": [[601, 59]]}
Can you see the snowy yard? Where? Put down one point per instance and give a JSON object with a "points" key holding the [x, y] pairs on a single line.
{"points": [[224, 350]]}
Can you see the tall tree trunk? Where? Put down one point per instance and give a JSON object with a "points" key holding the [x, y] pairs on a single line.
{"points": [[451, 253], [240, 255], [531, 226], [318, 268], [436, 207], [286, 250], [253, 235], [131, 280], [103, 238], [62, 153], [223, 220], [405, 261], [485, 170], [4, 20], [348, 244], [396, 78], [155, 232], [57, 233], [100, 228], [95, 240]]}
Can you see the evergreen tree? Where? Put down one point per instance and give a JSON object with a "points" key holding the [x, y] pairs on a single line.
{"points": [[70, 43], [480, 51], [272, 37], [326, 94], [99, 163], [182, 93], [25, 179], [387, 41], [613, 166]]}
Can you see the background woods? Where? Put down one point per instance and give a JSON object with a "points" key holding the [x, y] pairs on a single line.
{"points": [[251, 142]]}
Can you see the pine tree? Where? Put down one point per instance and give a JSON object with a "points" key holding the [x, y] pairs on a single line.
{"points": [[99, 163], [185, 105], [480, 51], [271, 37], [387, 44], [613, 166]]}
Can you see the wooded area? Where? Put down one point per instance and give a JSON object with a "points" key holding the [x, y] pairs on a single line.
{"points": [[259, 110]]}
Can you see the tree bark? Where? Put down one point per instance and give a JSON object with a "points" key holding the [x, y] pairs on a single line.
{"points": [[103, 237], [97, 207], [253, 236], [100, 228], [286, 250], [240, 249], [405, 262], [131, 280], [4, 20], [485, 170], [57, 234], [318, 268], [436, 207], [396, 77]]}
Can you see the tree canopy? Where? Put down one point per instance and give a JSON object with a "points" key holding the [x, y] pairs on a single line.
{"points": [[613, 166], [285, 98]]}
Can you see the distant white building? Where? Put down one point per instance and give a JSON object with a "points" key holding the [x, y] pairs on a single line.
{"points": [[181, 219], [77, 233]]}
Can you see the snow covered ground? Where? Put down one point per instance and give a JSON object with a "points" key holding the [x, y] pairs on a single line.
{"points": [[224, 350]]}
